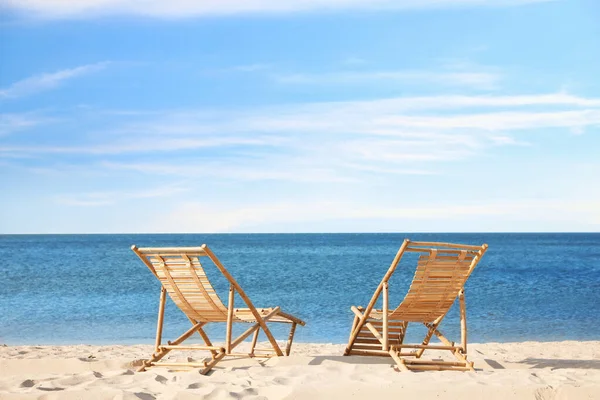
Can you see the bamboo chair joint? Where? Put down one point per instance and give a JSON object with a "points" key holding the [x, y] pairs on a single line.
{"points": [[184, 280], [441, 273]]}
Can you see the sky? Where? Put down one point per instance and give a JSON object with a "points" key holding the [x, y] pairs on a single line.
{"points": [[120, 116]]}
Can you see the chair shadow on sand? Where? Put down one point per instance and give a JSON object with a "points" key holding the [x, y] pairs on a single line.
{"points": [[318, 360], [537, 363], [555, 363]]}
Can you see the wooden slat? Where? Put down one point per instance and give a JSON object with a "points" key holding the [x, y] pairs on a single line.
{"points": [[440, 244], [427, 346], [367, 347], [213, 301], [175, 364], [437, 368], [172, 250], [376, 353], [192, 347], [436, 362], [177, 296]]}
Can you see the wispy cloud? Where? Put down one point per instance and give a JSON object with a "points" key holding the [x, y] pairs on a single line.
{"points": [[210, 217], [10, 123], [46, 81], [481, 80], [325, 142], [95, 199], [133, 146], [191, 8]]}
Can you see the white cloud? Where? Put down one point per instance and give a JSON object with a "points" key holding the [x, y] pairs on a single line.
{"points": [[190, 8], [326, 142], [480, 80], [48, 81], [450, 102], [138, 146], [267, 169], [10, 123], [499, 120], [95, 199], [208, 217]]}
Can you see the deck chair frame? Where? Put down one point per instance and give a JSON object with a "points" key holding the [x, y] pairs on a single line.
{"points": [[381, 332], [258, 318]]}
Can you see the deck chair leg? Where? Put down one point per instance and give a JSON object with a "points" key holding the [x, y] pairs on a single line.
{"points": [[357, 326], [155, 357], [254, 340], [229, 319], [164, 351], [254, 328], [204, 337], [426, 341], [161, 315], [288, 346], [463, 321], [457, 353], [385, 344], [403, 333], [432, 328], [159, 328], [399, 361], [354, 324], [245, 298], [210, 365], [271, 338]]}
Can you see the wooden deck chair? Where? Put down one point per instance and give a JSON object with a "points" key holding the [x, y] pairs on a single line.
{"points": [[442, 270], [183, 278]]}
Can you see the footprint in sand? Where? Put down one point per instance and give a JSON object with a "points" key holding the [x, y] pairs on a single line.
{"points": [[50, 389], [281, 381], [161, 379], [546, 393], [28, 383], [533, 377], [248, 392], [144, 396], [197, 385], [88, 359]]}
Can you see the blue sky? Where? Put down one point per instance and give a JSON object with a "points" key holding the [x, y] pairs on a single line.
{"points": [[299, 116]]}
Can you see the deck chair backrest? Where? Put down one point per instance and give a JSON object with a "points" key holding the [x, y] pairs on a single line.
{"points": [[441, 273], [182, 275]]}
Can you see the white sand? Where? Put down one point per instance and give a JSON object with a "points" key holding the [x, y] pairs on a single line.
{"points": [[530, 370]]}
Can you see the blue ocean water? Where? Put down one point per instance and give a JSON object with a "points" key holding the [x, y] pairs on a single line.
{"points": [[66, 289]]}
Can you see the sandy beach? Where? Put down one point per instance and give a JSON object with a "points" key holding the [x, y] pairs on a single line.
{"points": [[528, 370]]}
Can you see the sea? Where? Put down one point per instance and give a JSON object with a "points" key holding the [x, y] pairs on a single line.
{"points": [[92, 289]]}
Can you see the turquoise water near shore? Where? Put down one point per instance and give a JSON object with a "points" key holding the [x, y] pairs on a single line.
{"points": [[67, 289]]}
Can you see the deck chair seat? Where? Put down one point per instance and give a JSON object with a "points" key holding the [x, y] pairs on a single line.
{"points": [[440, 276], [245, 315], [184, 280]]}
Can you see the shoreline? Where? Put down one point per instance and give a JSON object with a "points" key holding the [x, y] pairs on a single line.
{"points": [[150, 343], [521, 370]]}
